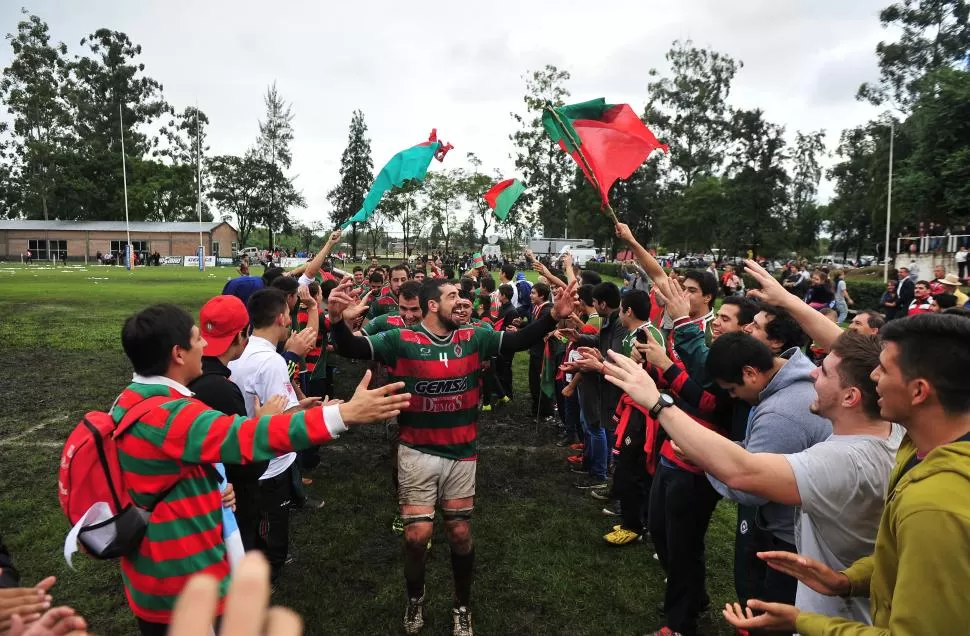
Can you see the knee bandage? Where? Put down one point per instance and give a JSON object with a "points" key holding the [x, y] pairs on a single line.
{"points": [[425, 518], [457, 514]]}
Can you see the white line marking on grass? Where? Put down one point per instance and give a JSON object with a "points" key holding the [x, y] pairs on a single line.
{"points": [[33, 429], [29, 444]]}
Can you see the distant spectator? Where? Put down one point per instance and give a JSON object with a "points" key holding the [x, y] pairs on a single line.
{"points": [[889, 301], [950, 284], [905, 290], [923, 302], [867, 323]]}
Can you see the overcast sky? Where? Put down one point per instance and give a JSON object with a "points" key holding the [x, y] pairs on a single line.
{"points": [[459, 66]]}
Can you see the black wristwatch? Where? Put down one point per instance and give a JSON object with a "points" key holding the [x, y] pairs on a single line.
{"points": [[663, 402]]}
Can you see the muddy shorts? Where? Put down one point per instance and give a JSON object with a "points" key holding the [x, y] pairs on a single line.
{"points": [[424, 480]]}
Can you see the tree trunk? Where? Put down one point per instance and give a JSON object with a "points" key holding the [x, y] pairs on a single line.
{"points": [[353, 241]]}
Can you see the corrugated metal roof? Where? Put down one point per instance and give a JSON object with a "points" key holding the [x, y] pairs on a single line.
{"points": [[107, 226]]}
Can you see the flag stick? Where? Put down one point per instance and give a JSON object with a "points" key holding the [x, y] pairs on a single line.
{"points": [[579, 151]]}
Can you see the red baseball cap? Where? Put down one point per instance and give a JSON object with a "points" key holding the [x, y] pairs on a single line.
{"points": [[220, 320]]}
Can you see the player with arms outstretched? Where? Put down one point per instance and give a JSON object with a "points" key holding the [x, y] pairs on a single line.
{"points": [[440, 364]]}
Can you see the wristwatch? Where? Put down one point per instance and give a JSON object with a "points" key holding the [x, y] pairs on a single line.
{"points": [[663, 402]]}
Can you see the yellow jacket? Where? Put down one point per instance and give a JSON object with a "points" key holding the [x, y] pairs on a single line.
{"points": [[918, 577]]}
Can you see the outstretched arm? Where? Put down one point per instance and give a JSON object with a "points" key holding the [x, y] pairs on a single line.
{"points": [[765, 475], [649, 263], [311, 269], [822, 330], [535, 331]]}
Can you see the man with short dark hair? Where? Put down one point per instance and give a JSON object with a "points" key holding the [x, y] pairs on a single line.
{"points": [[817, 479], [541, 305], [775, 327], [923, 302], [224, 324], [780, 392], [506, 315], [261, 373], [867, 323], [598, 398], [170, 449], [916, 576], [441, 362], [506, 276], [387, 300], [407, 314]]}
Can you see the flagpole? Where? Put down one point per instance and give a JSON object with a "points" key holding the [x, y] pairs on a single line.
{"points": [[889, 200], [579, 151], [198, 180], [124, 182]]}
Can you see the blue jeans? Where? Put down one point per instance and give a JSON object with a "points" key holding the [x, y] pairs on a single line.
{"points": [[843, 308], [596, 451], [572, 418]]}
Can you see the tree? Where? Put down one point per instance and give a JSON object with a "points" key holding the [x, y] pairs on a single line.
{"points": [[31, 89], [241, 186], [689, 110], [849, 214], [804, 220], [273, 148], [99, 86], [757, 185], [356, 177], [443, 191], [545, 168], [399, 205], [473, 187], [934, 34]]}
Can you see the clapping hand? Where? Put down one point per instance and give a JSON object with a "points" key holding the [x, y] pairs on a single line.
{"points": [[774, 616], [565, 301], [632, 378], [274, 406]]}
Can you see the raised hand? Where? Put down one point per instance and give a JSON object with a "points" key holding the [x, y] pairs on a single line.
{"points": [[339, 300], [624, 233], [274, 406], [301, 343], [334, 237], [632, 378], [776, 616], [308, 301], [357, 310], [371, 406], [812, 573], [653, 353], [676, 299], [565, 302], [771, 290]]}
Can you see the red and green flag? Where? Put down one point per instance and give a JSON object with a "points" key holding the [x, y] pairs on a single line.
{"points": [[407, 165], [502, 196], [608, 141]]}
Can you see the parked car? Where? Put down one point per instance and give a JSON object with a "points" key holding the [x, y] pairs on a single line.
{"points": [[252, 252]]}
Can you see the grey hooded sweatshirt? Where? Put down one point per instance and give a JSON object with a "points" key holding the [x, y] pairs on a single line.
{"points": [[781, 423]]}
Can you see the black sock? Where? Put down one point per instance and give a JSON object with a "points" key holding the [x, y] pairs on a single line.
{"points": [[463, 568], [414, 558]]}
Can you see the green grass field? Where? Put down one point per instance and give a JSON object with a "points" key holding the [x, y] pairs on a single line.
{"points": [[542, 566]]}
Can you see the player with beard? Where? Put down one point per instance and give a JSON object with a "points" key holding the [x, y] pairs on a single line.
{"points": [[441, 361], [407, 313]]}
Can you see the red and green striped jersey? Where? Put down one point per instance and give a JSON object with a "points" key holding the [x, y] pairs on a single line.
{"points": [[384, 322], [317, 356], [385, 304], [442, 375], [177, 443]]}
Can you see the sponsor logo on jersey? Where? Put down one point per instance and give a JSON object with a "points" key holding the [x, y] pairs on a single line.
{"points": [[441, 387], [442, 404]]}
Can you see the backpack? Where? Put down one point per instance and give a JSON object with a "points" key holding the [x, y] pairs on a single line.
{"points": [[91, 473]]}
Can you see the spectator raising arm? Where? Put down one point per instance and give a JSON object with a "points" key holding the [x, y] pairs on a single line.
{"points": [[765, 475], [817, 326], [311, 269], [649, 263]]}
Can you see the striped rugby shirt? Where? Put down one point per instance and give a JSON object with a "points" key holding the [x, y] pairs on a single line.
{"points": [[177, 443], [442, 375]]}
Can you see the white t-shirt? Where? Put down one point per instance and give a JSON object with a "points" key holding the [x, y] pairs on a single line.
{"points": [[261, 372], [961, 256], [842, 483]]}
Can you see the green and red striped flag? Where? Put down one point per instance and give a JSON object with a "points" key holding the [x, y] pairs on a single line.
{"points": [[608, 141], [502, 196]]}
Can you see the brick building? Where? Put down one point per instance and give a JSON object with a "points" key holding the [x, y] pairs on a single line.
{"points": [[82, 240]]}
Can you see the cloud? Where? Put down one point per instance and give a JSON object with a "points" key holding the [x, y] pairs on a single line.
{"points": [[460, 67]]}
